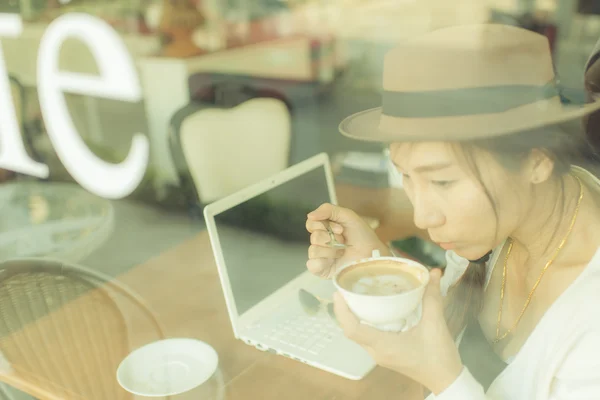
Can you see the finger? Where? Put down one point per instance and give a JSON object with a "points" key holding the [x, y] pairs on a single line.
{"points": [[353, 329], [315, 251], [322, 212], [433, 299], [433, 287], [314, 226], [331, 212], [321, 238], [321, 267]]}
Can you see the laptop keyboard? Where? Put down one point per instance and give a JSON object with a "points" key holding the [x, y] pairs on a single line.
{"points": [[303, 332]]}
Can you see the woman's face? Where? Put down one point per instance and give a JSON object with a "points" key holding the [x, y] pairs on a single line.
{"points": [[451, 203]]}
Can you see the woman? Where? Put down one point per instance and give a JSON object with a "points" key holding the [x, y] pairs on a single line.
{"points": [[471, 114]]}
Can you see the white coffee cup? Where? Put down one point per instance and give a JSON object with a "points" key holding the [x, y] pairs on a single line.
{"points": [[395, 313]]}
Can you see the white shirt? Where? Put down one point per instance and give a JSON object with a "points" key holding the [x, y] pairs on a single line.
{"points": [[561, 358]]}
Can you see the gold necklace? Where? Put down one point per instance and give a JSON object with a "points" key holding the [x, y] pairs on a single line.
{"points": [[560, 246]]}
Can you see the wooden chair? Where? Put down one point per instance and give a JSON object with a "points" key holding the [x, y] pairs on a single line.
{"points": [[64, 329], [235, 132]]}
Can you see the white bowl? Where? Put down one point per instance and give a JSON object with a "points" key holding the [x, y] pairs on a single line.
{"points": [[167, 367], [395, 313]]}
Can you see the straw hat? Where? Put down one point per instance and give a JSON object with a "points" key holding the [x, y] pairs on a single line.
{"points": [[466, 82]]}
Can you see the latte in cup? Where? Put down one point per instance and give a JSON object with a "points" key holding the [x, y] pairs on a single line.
{"points": [[384, 292], [379, 278]]}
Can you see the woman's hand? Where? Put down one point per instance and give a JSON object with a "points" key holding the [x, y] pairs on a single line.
{"points": [[426, 353], [349, 228]]}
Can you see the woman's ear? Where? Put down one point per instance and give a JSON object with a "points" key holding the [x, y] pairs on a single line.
{"points": [[540, 166]]}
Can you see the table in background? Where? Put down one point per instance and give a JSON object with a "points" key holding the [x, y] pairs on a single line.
{"points": [[182, 287], [51, 219]]}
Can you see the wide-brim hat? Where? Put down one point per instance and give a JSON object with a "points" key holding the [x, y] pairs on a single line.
{"points": [[467, 82]]}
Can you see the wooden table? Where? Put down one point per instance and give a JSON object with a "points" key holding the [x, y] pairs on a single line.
{"points": [[182, 287], [54, 220]]}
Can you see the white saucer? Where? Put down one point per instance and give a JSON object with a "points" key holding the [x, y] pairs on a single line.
{"points": [[167, 367]]}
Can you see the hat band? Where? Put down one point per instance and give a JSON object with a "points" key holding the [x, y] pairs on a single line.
{"points": [[464, 101]]}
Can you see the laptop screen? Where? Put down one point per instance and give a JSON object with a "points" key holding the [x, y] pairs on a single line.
{"points": [[264, 241]]}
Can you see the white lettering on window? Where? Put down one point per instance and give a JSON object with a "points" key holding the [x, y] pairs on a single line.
{"points": [[117, 80], [13, 155]]}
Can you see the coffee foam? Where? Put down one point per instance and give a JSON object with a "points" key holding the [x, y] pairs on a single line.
{"points": [[379, 278]]}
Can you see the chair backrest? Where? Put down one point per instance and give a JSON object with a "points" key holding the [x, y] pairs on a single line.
{"points": [[63, 332], [235, 134]]}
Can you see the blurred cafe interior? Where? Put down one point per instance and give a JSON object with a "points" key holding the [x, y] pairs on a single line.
{"points": [[121, 120]]}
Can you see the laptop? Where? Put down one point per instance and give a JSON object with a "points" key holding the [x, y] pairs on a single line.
{"points": [[260, 244]]}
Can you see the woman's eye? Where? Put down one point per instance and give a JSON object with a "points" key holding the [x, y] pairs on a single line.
{"points": [[443, 184]]}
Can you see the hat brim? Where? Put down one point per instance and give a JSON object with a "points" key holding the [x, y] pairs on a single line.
{"points": [[374, 126]]}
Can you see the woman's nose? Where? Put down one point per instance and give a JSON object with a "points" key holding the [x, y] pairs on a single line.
{"points": [[427, 216]]}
